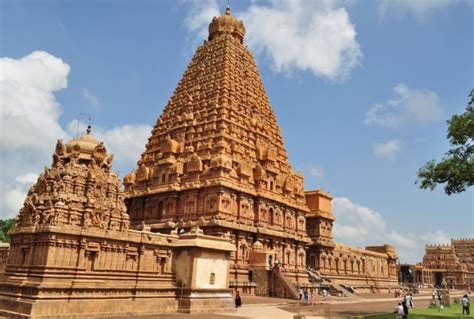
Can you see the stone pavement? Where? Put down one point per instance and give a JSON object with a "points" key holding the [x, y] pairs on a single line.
{"points": [[255, 307]]}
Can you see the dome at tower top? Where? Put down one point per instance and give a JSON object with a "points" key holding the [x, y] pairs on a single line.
{"points": [[226, 24], [85, 143]]}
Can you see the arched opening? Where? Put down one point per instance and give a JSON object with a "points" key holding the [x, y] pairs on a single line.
{"points": [[270, 216], [212, 279]]}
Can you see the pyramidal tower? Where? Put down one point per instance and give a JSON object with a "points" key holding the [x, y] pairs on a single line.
{"points": [[216, 157]]}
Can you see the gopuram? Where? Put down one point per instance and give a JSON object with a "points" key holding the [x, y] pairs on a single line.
{"points": [[214, 207], [450, 265]]}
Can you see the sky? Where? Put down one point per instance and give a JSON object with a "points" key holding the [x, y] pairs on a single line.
{"points": [[361, 90]]}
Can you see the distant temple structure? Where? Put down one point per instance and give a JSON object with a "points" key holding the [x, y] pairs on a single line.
{"points": [[451, 265], [213, 207]]}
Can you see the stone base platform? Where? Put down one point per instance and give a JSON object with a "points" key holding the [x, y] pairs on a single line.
{"points": [[89, 308], [205, 301]]}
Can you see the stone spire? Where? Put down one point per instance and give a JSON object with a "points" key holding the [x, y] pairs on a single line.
{"points": [[218, 128]]}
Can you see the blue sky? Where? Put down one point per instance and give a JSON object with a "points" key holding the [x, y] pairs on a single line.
{"points": [[361, 89]]}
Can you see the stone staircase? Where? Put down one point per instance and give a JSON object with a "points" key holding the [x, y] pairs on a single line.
{"points": [[341, 291], [272, 283], [284, 287], [315, 276], [333, 288]]}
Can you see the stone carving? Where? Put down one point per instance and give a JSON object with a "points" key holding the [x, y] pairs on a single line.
{"points": [[79, 190], [216, 155]]}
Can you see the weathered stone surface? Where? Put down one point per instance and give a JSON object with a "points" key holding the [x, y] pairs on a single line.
{"points": [[72, 253], [369, 269], [215, 168], [216, 158]]}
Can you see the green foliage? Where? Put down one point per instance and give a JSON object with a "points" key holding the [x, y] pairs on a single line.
{"points": [[456, 169], [5, 226]]}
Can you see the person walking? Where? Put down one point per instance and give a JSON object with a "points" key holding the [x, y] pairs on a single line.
{"points": [[466, 305], [325, 294], [405, 310], [238, 300], [301, 293], [305, 296], [398, 311], [410, 301]]}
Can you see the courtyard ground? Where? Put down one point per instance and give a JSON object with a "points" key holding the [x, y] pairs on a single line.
{"points": [[370, 305]]}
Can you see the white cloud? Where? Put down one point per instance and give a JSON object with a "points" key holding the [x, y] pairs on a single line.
{"points": [[362, 226], [28, 102], [28, 121], [29, 126], [316, 172], [437, 237], [420, 9], [27, 179], [200, 15], [387, 150], [408, 106], [355, 224], [14, 193], [313, 36], [90, 98]]}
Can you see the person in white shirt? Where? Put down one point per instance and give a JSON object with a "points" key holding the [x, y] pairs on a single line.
{"points": [[399, 311], [465, 305], [325, 294]]}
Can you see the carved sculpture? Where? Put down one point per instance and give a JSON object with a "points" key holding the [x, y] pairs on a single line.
{"points": [[79, 190]]}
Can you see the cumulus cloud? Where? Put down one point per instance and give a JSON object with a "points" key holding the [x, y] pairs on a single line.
{"points": [[28, 103], [362, 226], [387, 150], [419, 106], [30, 126], [90, 98], [312, 36], [356, 224], [200, 14], [28, 121], [420, 9]]}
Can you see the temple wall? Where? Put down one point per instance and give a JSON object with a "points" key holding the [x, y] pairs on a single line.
{"points": [[194, 204], [464, 249], [96, 271]]}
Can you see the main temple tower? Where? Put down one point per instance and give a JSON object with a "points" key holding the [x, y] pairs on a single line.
{"points": [[216, 158]]}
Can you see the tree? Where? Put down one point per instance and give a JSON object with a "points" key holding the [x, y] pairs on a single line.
{"points": [[5, 226], [456, 169]]}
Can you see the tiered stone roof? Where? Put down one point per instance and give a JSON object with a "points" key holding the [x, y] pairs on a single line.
{"points": [[218, 128], [78, 190]]}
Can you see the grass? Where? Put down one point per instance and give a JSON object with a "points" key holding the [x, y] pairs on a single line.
{"points": [[455, 311]]}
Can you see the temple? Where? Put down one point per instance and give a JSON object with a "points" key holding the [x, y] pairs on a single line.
{"points": [[443, 265], [216, 158], [213, 207]]}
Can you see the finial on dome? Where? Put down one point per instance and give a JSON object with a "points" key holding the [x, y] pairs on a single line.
{"points": [[226, 24], [89, 129]]}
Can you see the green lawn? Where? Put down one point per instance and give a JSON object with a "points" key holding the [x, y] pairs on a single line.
{"points": [[454, 311], [450, 312]]}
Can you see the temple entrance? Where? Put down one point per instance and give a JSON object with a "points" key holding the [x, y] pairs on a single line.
{"points": [[438, 279], [406, 274]]}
